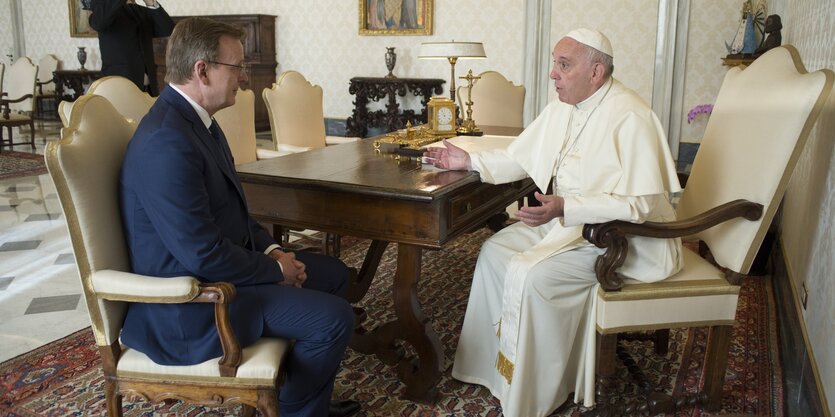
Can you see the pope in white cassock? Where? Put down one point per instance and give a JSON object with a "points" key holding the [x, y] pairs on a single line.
{"points": [[529, 331]]}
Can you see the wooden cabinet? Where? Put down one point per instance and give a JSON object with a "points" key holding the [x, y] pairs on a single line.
{"points": [[259, 51]]}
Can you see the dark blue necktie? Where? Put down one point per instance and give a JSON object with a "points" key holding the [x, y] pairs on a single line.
{"points": [[214, 129]]}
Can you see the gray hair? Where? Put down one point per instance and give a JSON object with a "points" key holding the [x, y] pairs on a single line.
{"points": [[596, 57], [192, 40]]}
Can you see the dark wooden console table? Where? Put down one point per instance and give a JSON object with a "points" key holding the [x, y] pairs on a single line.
{"points": [[373, 196], [392, 118], [71, 84]]}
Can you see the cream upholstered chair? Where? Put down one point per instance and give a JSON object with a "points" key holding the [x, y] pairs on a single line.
{"points": [[46, 85], [759, 125], [85, 167], [496, 101], [131, 102], [238, 124], [64, 112], [296, 117], [17, 103]]}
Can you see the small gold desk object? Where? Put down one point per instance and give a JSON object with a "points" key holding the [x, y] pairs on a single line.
{"points": [[407, 142], [468, 126]]}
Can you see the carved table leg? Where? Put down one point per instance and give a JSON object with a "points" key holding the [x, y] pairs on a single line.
{"points": [[359, 287], [412, 327]]}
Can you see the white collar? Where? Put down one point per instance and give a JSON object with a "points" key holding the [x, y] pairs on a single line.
{"points": [[201, 112], [594, 99]]}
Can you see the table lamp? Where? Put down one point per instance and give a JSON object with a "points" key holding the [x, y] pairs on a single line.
{"points": [[451, 51]]}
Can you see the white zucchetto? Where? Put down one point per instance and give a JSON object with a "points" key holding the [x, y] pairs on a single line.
{"points": [[592, 38]]}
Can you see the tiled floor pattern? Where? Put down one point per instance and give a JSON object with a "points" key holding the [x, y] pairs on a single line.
{"points": [[40, 293]]}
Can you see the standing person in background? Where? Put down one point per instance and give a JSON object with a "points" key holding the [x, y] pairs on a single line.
{"points": [[126, 31]]}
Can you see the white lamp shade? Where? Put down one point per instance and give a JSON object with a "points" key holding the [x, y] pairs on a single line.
{"points": [[451, 49]]}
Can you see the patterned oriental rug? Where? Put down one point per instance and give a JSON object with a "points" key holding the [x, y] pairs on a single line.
{"points": [[64, 377], [19, 164]]}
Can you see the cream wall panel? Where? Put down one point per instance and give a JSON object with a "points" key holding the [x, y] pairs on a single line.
{"points": [[6, 35], [630, 27], [46, 25], [712, 23], [320, 39], [807, 226]]}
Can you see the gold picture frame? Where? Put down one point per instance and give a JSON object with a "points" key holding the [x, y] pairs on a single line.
{"points": [[79, 21], [385, 17]]}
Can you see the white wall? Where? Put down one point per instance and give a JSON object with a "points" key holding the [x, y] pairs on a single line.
{"points": [[712, 23], [630, 27], [319, 38], [808, 222], [6, 38]]}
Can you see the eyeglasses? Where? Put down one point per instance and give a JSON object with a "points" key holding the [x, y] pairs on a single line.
{"points": [[243, 67]]}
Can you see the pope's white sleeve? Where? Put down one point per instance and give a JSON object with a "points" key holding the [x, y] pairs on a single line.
{"points": [[600, 208], [496, 167]]}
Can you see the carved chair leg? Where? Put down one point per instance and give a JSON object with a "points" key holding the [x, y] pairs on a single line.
{"points": [[268, 402], [716, 363], [113, 399], [605, 383], [331, 244], [32, 133], [247, 410], [662, 341]]}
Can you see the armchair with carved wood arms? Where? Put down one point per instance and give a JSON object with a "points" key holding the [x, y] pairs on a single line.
{"points": [[85, 167], [17, 103], [496, 101], [46, 83], [297, 123], [759, 125]]}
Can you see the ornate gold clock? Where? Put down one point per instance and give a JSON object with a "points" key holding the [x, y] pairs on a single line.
{"points": [[441, 121]]}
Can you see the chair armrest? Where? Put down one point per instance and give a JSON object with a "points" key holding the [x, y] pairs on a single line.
{"points": [[7, 101], [338, 140], [612, 235], [292, 148], [269, 153], [41, 84], [125, 286]]}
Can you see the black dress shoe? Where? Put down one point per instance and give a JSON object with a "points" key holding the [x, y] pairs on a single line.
{"points": [[343, 408]]}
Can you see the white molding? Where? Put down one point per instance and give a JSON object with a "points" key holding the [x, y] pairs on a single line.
{"points": [[536, 57], [18, 40], [668, 78]]}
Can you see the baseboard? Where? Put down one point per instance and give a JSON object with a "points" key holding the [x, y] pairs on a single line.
{"points": [[335, 126], [803, 389]]}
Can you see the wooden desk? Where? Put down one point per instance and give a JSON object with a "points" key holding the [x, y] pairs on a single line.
{"points": [[351, 190]]}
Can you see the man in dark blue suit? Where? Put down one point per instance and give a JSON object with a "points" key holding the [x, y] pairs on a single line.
{"points": [[185, 214], [126, 31]]}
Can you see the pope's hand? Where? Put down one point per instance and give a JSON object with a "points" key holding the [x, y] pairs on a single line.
{"points": [[451, 157], [551, 208]]}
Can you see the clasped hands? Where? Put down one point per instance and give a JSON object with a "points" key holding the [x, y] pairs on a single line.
{"points": [[292, 268], [455, 158]]}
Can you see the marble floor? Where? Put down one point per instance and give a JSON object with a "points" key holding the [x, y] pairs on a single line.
{"points": [[40, 293]]}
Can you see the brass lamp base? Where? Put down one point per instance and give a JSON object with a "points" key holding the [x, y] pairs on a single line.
{"points": [[468, 128]]}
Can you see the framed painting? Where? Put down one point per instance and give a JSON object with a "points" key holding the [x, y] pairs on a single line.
{"points": [[79, 21], [395, 17]]}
